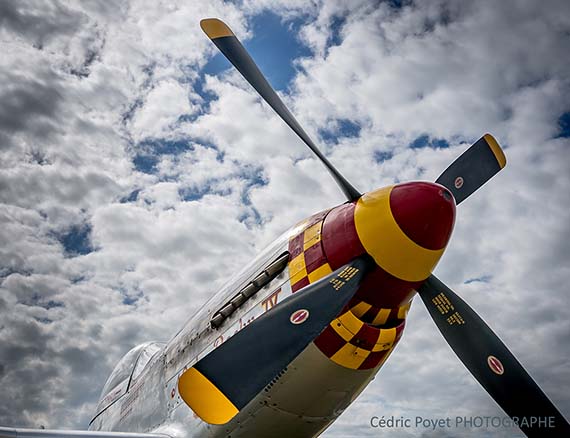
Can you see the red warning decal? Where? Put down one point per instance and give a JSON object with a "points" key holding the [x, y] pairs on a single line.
{"points": [[299, 316], [495, 365], [458, 182]]}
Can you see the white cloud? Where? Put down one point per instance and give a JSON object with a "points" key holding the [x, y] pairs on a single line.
{"points": [[161, 109], [84, 83]]}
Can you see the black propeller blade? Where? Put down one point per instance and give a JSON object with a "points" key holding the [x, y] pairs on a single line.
{"points": [[222, 36], [223, 382], [473, 168], [491, 363]]}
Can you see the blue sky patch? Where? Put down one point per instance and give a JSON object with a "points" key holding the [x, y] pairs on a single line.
{"points": [[199, 88], [397, 4], [346, 128], [420, 142], [274, 47], [131, 300], [43, 320], [6, 271], [564, 125], [77, 240], [343, 128], [482, 279], [255, 178], [425, 140], [336, 29], [381, 156], [149, 152], [215, 65], [164, 147], [145, 163], [131, 197], [40, 301], [196, 193]]}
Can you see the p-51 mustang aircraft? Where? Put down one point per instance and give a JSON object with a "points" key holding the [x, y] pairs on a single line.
{"points": [[293, 339]]}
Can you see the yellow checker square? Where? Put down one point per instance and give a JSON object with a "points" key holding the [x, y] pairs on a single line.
{"points": [[297, 268], [312, 235], [381, 317], [403, 311], [350, 322], [385, 339], [341, 330], [361, 308], [381, 347], [319, 273], [350, 356]]}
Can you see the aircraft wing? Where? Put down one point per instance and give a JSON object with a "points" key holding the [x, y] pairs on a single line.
{"points": [[9, 432], [223, 382]]}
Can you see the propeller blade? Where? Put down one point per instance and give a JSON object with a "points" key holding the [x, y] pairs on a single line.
{"points": [[491, 363], [473, 168], [222, 36], [229, 377]]}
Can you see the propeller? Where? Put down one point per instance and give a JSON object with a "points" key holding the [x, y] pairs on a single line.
{"points": [[473, 168], [472, 340], [481, 351], [225, 40], [491, 363], [216, 392]]}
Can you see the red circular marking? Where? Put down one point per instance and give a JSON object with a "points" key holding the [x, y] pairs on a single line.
{"points": [[299, 316], [425, 212], [172, 393], [495, 365], [458, 182]]}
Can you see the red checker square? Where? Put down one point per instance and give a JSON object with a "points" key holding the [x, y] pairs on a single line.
{"points": [[314, 257], [373, 359], [370, 314], [400, 331], [296, 246], [300, 284], [329, 342], [366, 337]]}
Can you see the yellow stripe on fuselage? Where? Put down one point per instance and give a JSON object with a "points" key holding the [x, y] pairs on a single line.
{"points": [[385, 241], [207, 401]]}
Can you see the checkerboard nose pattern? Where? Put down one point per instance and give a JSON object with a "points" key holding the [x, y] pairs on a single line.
{"points": [[405, 229]]}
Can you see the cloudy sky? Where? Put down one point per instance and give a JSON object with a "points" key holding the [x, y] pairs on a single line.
{"points": [[138, 172]]}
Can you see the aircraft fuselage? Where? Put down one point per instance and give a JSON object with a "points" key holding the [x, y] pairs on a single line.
{"points": [[328, 375]]}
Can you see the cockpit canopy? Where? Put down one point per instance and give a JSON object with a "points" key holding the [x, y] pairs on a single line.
{"points": [[127, 370]]}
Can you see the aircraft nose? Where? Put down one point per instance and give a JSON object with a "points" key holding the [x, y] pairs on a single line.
{"points": [[406, 227], [425, 212]]}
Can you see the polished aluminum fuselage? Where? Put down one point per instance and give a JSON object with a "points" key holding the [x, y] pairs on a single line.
{"points": [[300, 402]]}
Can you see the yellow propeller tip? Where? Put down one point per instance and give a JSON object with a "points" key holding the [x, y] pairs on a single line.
{"points": [[497, 151], [215, 28]]}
